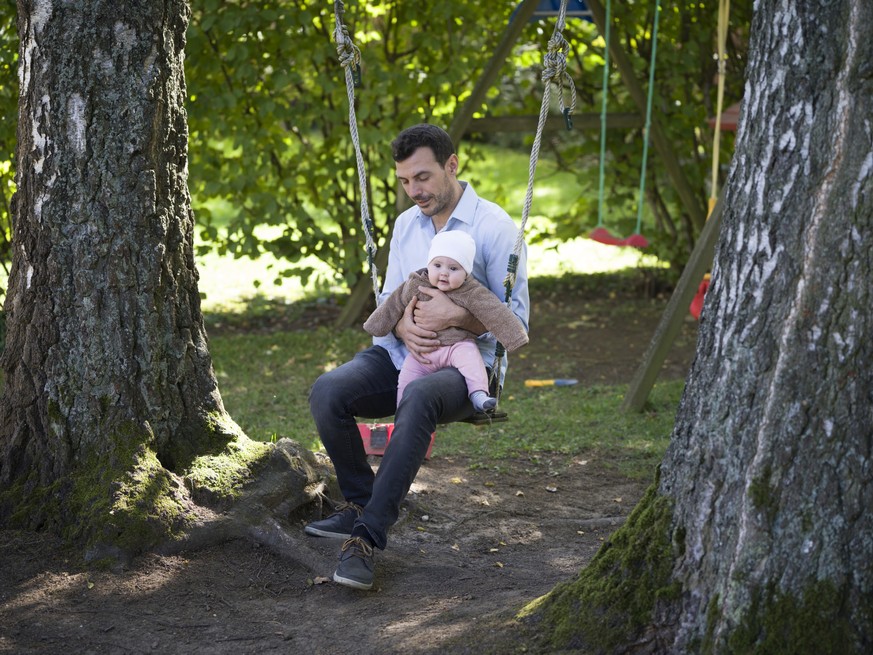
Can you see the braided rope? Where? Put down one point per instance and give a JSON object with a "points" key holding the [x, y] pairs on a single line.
{"points": [[723, 18], [350, 60], [603, 108], [648, 127], [554, 70]]}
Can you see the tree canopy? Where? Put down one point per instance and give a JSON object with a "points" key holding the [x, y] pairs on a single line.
{"points": [[272, 167]]}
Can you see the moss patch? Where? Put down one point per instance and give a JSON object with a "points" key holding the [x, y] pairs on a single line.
{"points": [[817, 623], [218, 480], [613, 598], [125, 502]]}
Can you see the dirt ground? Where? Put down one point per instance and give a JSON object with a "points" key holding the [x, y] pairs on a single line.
{"points": [[473, 545]]}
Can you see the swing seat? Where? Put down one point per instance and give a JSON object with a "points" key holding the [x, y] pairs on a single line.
{"points": [[486, 418], [602, 235], [636, 241]]}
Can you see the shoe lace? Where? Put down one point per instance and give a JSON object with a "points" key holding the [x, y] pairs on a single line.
{"points": [[342, 507], [360, 547]]}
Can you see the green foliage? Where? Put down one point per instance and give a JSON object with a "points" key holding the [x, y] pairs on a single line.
{"points": [[8, 108], [684, 97], [269, 116]]}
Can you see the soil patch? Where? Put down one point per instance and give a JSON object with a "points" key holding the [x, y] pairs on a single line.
{"points": [[472, 546]]}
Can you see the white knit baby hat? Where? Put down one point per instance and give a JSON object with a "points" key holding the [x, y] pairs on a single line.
{"points": [[455, 244]]}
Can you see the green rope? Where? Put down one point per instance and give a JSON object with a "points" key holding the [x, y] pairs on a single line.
{"points": [[648, 116], [350, 59], [603, 106]]}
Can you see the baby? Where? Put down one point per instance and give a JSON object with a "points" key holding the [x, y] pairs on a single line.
{"points": [[450, 262]]}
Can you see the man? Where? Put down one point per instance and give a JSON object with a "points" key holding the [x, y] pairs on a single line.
{"points": [[427, 167]]}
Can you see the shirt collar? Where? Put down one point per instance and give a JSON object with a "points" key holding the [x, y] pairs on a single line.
{"points": [[464, 211]]}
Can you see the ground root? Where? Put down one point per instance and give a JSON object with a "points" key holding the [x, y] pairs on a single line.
{"points": [[290, 485]]}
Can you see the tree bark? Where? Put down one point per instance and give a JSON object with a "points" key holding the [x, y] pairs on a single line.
{"points": [[768, 481], [110, 396]]}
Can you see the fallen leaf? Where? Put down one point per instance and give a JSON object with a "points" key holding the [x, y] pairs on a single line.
{"points": [[489, 484], [552, 490], [618, 500], [457, 480], [320, 580], [493, 550], [499, 565], [520, 494], [484, 502], [456, 547]]}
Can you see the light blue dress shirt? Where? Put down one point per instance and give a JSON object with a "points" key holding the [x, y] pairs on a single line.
{"points": [[495, 234]]}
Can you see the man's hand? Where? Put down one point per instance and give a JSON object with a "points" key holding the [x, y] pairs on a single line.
{"points": [[419, 341], [440, 313]]}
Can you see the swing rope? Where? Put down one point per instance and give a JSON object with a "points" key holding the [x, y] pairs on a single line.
{"points": [[603, 106], [600, 233], [723, 16], [554, 71], [350, 59], [647, 128]]}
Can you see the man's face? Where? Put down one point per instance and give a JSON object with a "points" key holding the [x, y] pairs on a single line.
{"points": [[427, 183], [445, 273]]}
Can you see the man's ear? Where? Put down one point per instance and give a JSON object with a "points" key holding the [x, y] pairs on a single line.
{"points": [[452, 165]]}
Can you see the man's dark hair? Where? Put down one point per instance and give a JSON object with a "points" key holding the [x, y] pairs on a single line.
{"points": [[424, 135]]}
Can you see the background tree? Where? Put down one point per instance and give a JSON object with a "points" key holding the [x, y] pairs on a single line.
{"points": [[269, 117], [272, 165], [758, 536], [111, 423]]}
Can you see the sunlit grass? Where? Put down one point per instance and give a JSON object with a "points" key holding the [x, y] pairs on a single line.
{"points": [[265, 378]]}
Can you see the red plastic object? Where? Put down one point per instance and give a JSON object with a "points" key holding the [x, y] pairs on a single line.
{"points": [[697, 304], [636, 241], [602, 235], [376, 437]]}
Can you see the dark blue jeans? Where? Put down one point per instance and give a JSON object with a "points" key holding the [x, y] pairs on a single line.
{"points": [[366, 387]]}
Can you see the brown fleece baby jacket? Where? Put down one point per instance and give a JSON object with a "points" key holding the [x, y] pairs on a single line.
{"points": [[472, 296]]}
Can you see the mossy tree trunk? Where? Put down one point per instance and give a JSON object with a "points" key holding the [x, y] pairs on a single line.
{"points": [[758, 536], [110, 404]]}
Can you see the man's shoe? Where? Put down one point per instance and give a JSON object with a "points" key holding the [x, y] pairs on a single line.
{"points": [[356, 564], [338, 525]]}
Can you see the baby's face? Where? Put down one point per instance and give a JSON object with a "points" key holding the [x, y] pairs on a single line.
{"points": [[445, 273]]}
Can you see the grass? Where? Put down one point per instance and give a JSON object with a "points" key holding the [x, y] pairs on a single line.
{"points": [[265, 378]]}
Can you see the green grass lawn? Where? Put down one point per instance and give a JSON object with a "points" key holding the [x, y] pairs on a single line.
{"points": [[265, 378]]}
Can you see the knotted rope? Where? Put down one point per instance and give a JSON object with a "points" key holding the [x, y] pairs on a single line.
{"points": [[554, 71], [350, 59]]}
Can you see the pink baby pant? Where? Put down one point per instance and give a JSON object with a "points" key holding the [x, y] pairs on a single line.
{"points": [[464, 356]]}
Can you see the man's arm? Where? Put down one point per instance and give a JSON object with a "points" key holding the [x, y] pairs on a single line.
{"points": [[419, 341], [440, 313]]}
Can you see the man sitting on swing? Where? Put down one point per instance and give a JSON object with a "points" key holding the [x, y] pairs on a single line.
{"points": [[366, 386]]}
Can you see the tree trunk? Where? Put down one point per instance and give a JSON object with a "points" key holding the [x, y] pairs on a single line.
{"points": [[110, 394], [759, 535]]}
